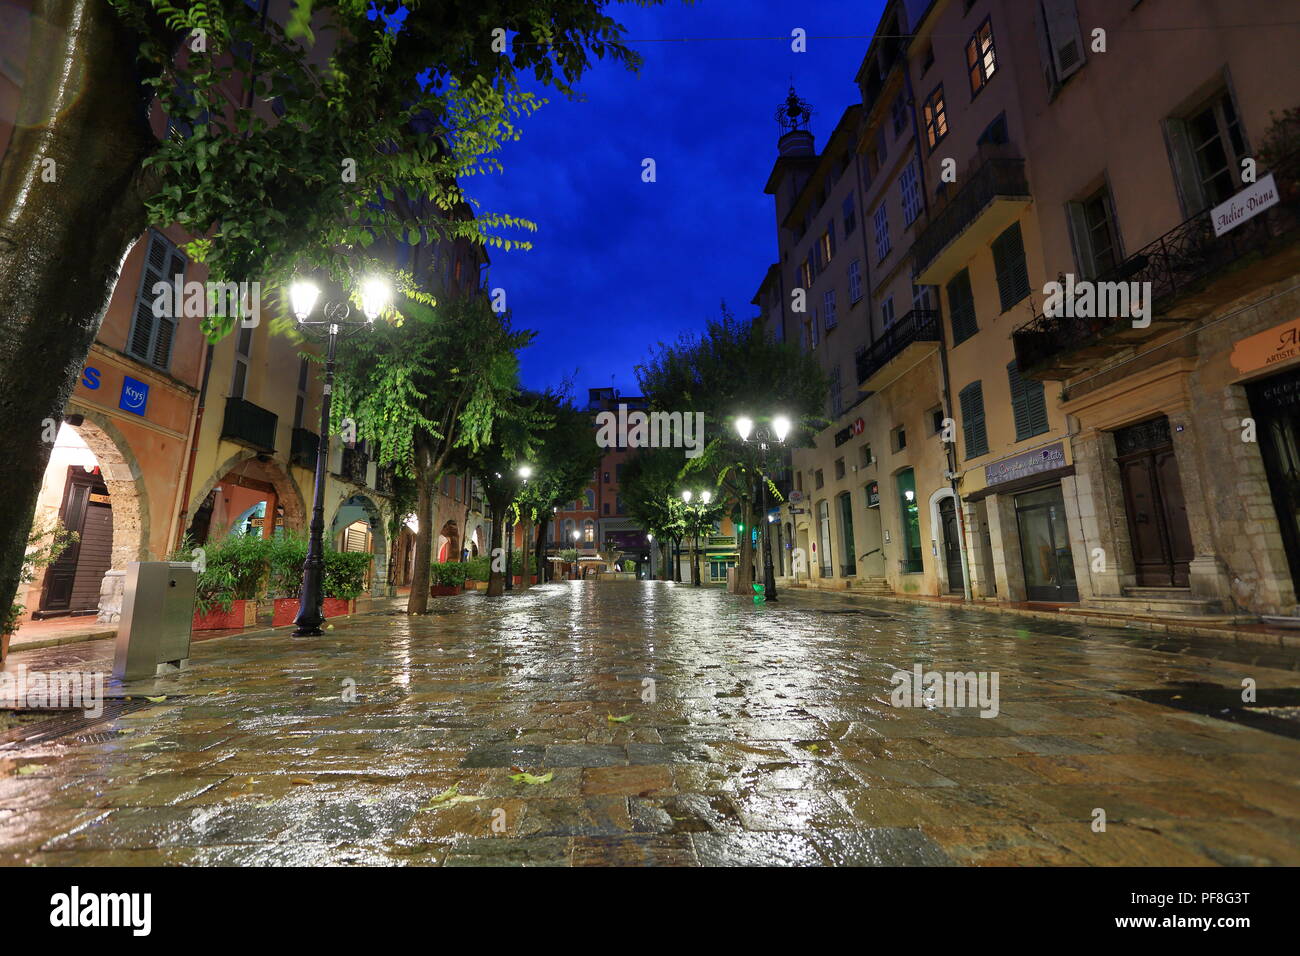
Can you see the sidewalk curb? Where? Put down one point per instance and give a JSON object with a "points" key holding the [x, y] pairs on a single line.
{"points": [[1155, 625]]}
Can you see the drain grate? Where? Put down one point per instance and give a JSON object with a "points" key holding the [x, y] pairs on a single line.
{"points": [[63, 723], [1276, 709]]}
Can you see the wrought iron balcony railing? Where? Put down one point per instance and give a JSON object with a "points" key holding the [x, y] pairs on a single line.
{"points": [[249, 424], [1000, 174], [303, 448], [919, 325], [353, 466], [1179, 265]]}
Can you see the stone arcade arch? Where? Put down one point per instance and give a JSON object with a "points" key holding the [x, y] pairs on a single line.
{"points": [[250, 464], [126, 488], [358, 506]]}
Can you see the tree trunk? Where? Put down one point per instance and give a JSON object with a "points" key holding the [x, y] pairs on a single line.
{"points": [[496, 579], [426, 516], [394, 555], [665, 568], [540, 548], [745, 551], [62, 242]]}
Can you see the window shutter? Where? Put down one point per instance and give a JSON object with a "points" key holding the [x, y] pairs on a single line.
{"points": [[1028, 404], [971, 399], [1062, 20], [140, 342], [1181, 158], [1045, 52], [1009, 263], [1081, 240], [165, 332], [961, 303]]}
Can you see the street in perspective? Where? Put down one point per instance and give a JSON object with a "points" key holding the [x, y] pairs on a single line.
{"points": [[583, 433]]}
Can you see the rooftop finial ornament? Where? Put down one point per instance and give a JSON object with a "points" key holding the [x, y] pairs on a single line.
{"points": [[793, 113]]}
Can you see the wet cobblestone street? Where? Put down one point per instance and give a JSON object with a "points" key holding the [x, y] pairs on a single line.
{"points": [[671, 726]]}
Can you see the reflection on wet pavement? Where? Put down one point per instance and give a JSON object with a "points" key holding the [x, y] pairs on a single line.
{"points": [[662, 725]]}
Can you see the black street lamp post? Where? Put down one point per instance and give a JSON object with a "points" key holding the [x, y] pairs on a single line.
{"points": [[764, 435], [303, 296]]}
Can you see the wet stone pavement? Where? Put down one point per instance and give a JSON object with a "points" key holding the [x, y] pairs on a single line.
{"points": [[673, 726]]}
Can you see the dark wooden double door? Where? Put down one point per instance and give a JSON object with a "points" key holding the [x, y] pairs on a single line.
{"points": [[1153, 501], [72, 582]]}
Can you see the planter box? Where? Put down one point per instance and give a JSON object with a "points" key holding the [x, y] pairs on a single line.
{"points": [[286, 609], [475, 585], [443, 590], [241, 614], [519, 580]]}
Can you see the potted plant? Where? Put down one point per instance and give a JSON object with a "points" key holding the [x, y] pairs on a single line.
{"points": [[517, 568], [40, 554], [477, 572], [284, 581], [446, 578], [570, 557], [230, 582], [345, 581]]}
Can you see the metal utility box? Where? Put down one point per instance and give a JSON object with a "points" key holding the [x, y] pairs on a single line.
{"points": [[153, 635]]}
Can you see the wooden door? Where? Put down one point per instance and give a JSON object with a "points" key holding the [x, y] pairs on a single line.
{"points": [[951, 545], [1153, 501]]}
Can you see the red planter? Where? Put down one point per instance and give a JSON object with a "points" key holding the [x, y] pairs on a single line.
{"points": [[519, 580], [241, 614], [286, 609], [443, 590]]}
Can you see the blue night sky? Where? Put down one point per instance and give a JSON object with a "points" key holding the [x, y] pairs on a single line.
{"points": [[619, 265]]}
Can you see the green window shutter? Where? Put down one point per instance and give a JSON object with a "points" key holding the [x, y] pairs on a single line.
{"points": [[1028, 404], [1009, 263], [971, 399], [1081, 240], [961, 305], [151, 336]]}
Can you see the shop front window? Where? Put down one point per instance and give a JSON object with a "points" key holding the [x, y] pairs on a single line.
{"points": [[1045, 546]]}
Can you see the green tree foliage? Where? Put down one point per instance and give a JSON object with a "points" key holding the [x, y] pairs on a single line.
{"points": [[438, 380], [736, 367]]}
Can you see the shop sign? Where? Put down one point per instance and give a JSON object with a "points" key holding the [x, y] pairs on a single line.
{"points": [[1024, 465], [135, 396], [1271, 347], [1247, 204]]}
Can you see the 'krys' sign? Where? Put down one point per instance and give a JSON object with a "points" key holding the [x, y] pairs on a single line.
{"points": [[1022, 466]]}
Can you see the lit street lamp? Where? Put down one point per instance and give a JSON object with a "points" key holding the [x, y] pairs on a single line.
{"points": [[375, 298], [764, 434]]}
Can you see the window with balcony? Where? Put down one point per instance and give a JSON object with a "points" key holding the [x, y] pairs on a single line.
{"points": [[981, 60], [909, 184], [1096, 237], [828, 300], [150, 338], [850, 217], [1028, 404], [971, 400], [881, 220], [961, 307], [1207, 147], [887, 312], [935, 117], [1009, 263]]}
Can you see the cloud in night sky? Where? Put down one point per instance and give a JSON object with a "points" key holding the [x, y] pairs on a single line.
{"points": [[618, 264]]}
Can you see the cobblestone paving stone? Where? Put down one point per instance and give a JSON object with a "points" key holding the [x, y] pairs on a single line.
{"points": [[769, 740]]}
